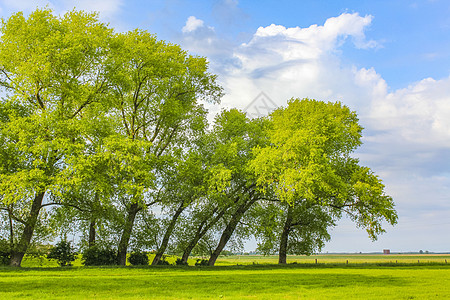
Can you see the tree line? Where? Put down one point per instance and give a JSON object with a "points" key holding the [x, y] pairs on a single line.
{"points": [[104, 136]]}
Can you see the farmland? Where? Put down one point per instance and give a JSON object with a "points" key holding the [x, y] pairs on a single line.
{"points": [[250, 277]]}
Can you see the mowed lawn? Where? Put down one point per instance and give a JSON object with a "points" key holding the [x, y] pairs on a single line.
{"points": [[294, 281]]}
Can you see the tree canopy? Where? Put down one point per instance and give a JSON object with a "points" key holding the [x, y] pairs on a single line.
{"points": [[105, 134]]}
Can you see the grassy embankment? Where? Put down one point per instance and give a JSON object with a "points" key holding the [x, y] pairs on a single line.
{"points": [[365, 279]]}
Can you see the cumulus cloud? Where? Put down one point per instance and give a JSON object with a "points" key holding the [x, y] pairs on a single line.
{"points": [[419, 113], [192, 24], [298, 62]]}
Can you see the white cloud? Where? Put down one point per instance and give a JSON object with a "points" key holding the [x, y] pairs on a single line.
{"points": [[298, 62], [419, 113], [192, 24], [314, 41]]}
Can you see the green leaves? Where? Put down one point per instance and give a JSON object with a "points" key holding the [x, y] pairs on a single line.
{"points": [[52, 63], [308, 158]]}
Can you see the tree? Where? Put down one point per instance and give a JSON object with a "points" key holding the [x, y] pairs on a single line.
{"points": [[234, 137], [182, 186], [308, 162], [227, 193], [156, 89], [51, 72], [300, 228]]}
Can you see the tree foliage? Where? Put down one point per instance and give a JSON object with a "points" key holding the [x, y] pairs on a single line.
{"points": [[106, 133]]}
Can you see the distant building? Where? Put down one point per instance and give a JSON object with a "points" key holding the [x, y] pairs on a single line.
{"points": [[386, 251]]}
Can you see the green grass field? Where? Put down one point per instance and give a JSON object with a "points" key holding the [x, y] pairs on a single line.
{"points": [[336, 259], [370, 277]]}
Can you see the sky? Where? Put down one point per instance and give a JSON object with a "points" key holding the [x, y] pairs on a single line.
{"points": [[387, 60]]}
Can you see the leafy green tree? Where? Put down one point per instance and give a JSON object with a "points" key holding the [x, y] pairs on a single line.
{"points": [[182, 186], [156, 89], [233, 138], [51, 72], [309, 160], [229, 192]]}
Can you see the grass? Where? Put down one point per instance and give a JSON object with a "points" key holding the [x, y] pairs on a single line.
{"points": [[323, 281], [238, 277]]}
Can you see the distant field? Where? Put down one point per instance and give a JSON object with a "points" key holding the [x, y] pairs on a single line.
{"points": [[338, 259], [293, 281], [273, 259]]}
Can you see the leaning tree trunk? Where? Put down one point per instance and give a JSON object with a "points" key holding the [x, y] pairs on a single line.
{"points": [[282, 253], [21, 248], [228, 232], [126, 234], [167, 235], [201, 231], [11, 228], [198, 235], [91, 241]]}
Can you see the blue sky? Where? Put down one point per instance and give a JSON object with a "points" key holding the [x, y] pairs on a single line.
{"points": [[388, 60]]}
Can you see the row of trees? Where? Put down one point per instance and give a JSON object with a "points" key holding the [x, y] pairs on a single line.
{"points": [[103, 136]]}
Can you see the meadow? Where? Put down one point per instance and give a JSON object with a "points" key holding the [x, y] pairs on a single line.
{"points": [[250, 277]]}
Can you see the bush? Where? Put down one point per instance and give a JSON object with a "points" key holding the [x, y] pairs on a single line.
{"points": [[179, 262], [99, 256], [138, 259], [163, 261], [5, 252], [201, 262], [63, 252]]}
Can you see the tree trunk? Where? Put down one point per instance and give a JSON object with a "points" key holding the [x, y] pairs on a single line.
{"points": [[11, 229], [167, 235], [282, 253], [126, 234], [201, 231], [228, 232], [92, 233], [21, 248], [187, 252]]}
